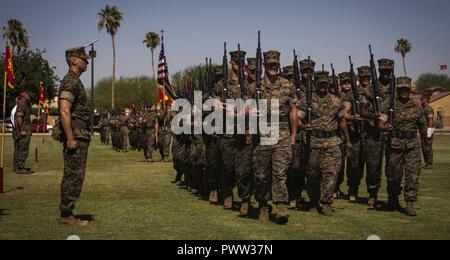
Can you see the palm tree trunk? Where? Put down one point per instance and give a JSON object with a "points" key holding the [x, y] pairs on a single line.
{"points": [[153, 65], [113, 87], [404, 64]]}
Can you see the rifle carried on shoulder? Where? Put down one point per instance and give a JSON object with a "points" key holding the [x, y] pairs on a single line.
{"points": [[334, 79], [356, 102], [309, 97], [297, 77], [225, 74], [376, 87], [258, 76], [241, 76]]}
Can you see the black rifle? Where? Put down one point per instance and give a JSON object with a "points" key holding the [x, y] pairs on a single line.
{"points": [[241, 76], [334, 80], [207, 75], [376, 87], [297, 77], [356, 102], [225, 74], [258, 77], [392, 87], [309, 97]]}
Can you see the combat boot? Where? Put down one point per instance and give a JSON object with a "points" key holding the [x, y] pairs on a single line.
{"points": [[428, 167], [73, 221], [372, 203], [245, 207], [352, 199], [327, 210], [394, 204], [293, 204], [228, 202], [213, 198], [23, 171], [410, 210], [264, 214], [281, 214]]}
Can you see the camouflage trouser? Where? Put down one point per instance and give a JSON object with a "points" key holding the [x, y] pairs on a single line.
{"points": [[409, 163], [150, 140], [323, 168], [22, 148], [185, 163], [74, 173], [197, 164], [213, 163], [107, 133], [427, 150], [296, 176], [244, 171], [271, 165], [176, 150], [164, 143], [228, 161], [354, 173], [341, 173], [133, 136], [124, 137], [372, 158]]}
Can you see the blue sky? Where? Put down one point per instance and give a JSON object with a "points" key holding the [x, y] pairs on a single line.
{"points": [[327, 30]]}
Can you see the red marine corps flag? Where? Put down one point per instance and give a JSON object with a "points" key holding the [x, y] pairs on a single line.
{"points": [[163, 73], [9, 68]]}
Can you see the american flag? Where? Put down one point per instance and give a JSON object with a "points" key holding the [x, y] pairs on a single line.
{"points": [[163, 74]]}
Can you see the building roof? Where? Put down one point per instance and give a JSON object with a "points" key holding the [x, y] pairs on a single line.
{"points": [[439, 96], [436, 89]]}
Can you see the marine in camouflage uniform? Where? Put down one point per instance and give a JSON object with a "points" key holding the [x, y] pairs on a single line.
{"points": [[404, 150], [212, 146], [372, 141], [324, 138], [271, 162], [244, 143], [133, 134], [165, 134], [72, 91], [124, 122], [151, 132], [298, 169], [22, 133], [295, 179], [352, 158], [427, 143], [227, 147]]}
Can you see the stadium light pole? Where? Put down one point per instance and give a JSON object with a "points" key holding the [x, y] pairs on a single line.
{"points": [[92, 55]]}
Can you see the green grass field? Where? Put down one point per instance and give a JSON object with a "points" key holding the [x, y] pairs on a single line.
{"points": [[130, 199]]}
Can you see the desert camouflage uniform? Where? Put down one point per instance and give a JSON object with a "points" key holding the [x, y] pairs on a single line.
{"points": [[22, 143], [427, 143], [73, 91], [404, 152], [271, 162], [325, 158]]}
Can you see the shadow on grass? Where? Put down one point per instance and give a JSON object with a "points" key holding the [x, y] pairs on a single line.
{"points": [[2, 213], [14, 189], [85, 217]]}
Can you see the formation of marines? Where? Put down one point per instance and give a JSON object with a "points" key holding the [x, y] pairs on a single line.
{"points": [[330, 126], [146, 129]]}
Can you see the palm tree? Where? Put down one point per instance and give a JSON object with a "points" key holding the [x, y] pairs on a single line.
{"points": [[403, 47], [152, 41], [16, 33], [111, 17]]}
